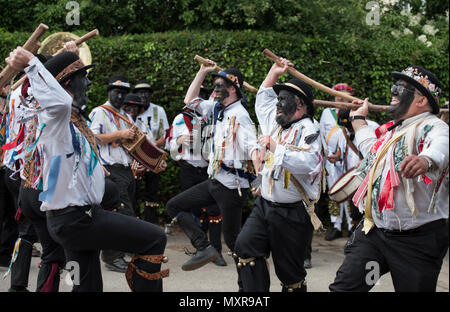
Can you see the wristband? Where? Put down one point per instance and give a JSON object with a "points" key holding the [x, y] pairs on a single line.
{"points": [[351, 118]]}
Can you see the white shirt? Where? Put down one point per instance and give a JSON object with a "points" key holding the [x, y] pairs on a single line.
{"points": [[180, 128], [103, 122], [327, 124], [435, 147], [238, 150], [304, 165], [64, 184], [155, 117]]}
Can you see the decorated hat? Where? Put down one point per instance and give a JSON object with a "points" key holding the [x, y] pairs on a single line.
{"points": [[299, 88], [142, 85], [343, 87], [133, 99], [65, 65], [233, 76], [424, 81], [119, 82]]}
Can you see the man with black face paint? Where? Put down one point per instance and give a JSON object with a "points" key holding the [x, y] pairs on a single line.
{"points": [[110, 129], [283, 218], [155, 119], [74, 181], [233, 146], [404, 194]]}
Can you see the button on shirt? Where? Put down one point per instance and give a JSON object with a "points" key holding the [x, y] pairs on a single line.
{"points": [[64, 183], [305, 165], [435, 146], [103, 122], [237, 150]]}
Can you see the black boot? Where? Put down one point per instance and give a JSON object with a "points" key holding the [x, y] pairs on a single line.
{"points": [[335, 233], [200, 258]]}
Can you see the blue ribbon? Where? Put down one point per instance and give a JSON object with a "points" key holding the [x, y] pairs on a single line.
{"points": [[52, 179]]}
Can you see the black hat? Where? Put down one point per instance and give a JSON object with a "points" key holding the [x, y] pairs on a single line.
{"points": [[233, 76], [142, 85], [299, 88], [65, 65], [133, 99], [119, 82], [424, 81]]}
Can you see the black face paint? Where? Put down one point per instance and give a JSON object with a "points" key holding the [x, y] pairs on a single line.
{"points": [[116, 97], [79, 86], [220, 88], [405, 94], [286, 108], [132, 110], [145, 95]]}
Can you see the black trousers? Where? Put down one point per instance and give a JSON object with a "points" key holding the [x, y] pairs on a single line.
{"points": [[83, 235], [124, 184], [8, 226], [151, 181], [204, 194], [284, 230], [190, 176], [414, 258], [21, 267], [52, 258]]}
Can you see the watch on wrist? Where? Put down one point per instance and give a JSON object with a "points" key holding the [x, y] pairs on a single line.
{"points": [[351, 118], [430, 163]]}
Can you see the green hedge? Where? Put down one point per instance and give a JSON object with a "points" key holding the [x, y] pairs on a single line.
{"points": [[167, 60]]}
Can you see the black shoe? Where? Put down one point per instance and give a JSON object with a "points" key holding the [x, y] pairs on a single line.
{"points": [[200, 258], [307, 264], [18, 289], [118, 265], [333, 234], [220, 261]]}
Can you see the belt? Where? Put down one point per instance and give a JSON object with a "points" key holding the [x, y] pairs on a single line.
{"points": [[421, 229], [60, 212], [284, 205], [241, 173], [118, 166]]}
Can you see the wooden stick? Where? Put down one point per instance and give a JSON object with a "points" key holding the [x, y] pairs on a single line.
{"points": [[203, 61], [78, 42], [32, 45], [308, 80], [372, 107]]}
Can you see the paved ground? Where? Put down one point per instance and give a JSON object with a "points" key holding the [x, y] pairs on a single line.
{"points": [[326, 259]]}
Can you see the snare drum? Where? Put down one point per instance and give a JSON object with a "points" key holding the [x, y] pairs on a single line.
{"points": [[345, 186]]}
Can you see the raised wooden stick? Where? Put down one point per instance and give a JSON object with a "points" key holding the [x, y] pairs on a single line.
{"points": [[32, 45], [78, 42], [203, 61]]}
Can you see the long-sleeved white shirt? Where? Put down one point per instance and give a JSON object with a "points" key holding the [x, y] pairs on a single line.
{"points": [[305, 165], [156, 119], [435, 146], [238, 150], [66, 180]]}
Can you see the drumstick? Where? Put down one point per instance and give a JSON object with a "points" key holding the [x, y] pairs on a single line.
{"points": [[78, 42], [205, 62]]}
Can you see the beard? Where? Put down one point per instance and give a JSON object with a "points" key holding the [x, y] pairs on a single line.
{"points": [[286, 112], [400, 109]]}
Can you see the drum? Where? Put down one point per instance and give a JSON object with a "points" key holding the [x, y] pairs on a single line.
{"points": [[144, 151], [345, 186]]}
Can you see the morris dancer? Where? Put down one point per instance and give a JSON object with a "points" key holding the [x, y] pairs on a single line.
{"points": [[187, 145], [281, 221], [74, 181], [233, 145], [404, 193]]}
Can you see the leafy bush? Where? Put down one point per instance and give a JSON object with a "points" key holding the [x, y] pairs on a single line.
{"points": [[363, 57]]}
